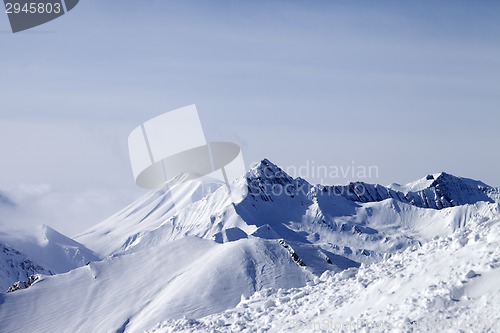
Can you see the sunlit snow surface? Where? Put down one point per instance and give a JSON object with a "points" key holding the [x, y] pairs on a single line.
{"points": [[254, 259], [40, 250], [450, 284]]}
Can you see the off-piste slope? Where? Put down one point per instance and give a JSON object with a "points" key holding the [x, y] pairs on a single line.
{"points": [[179, 252]]}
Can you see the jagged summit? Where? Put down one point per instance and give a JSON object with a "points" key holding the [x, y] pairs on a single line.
{"points": [[48, 248], [267, 180], [460, 191], [436, 191], [265, 163], [443, 190], [16, 266], [440, 179], [165, 258], [265, 169]]}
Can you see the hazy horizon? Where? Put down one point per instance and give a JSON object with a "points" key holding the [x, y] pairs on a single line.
{"points": [[412, 89]]}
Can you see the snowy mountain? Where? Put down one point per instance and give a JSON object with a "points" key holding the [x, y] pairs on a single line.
{"points": [[436, 191], [201, 255], [49, 248], [39, 251], [450, 284], [271, 204], [16, 266]]}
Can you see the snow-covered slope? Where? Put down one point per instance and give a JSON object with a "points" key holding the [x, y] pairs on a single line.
{"points": [[190, 276], [271, 204], [39, 250], [197, 255], [48, 248], [16, 266], [436, 191], [145, 214], [449, 284]]}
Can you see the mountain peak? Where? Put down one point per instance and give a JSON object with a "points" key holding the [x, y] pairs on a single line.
{"points": [[265, 169], [447, 178], [438, 180], [265, 164]]}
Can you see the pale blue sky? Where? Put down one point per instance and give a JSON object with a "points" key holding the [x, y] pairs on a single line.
{"points": [[412, 87]]}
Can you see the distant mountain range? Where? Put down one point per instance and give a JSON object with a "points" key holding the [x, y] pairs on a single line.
{"points": [[161, 259]]}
